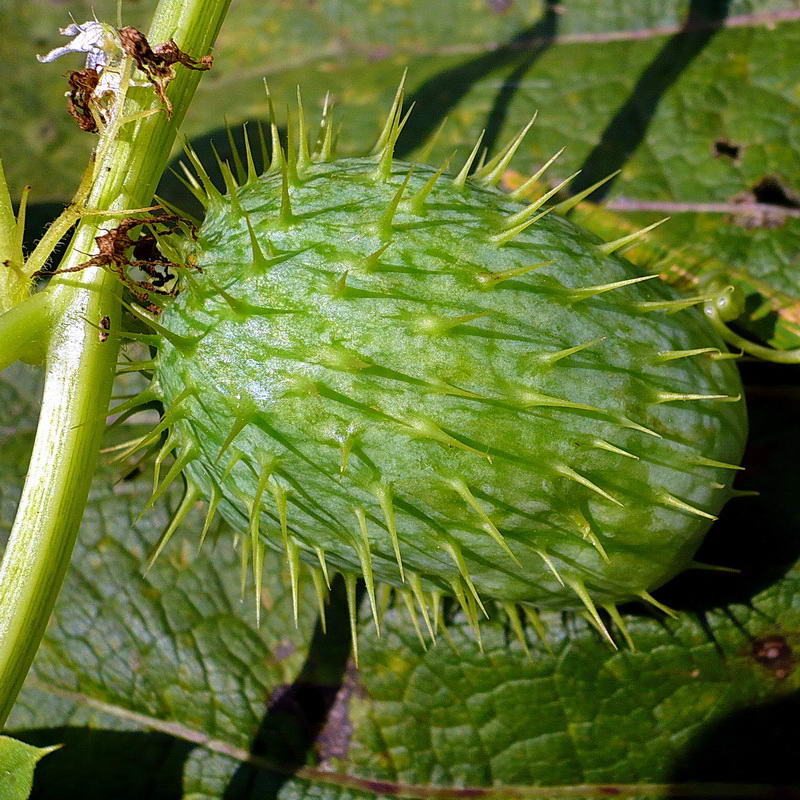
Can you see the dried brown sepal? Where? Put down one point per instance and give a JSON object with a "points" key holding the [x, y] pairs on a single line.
{"points": [[158, 63], [82, 85], [112, 249]]}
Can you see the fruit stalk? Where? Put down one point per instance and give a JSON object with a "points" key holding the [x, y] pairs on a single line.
{"points": [[131, 154]]}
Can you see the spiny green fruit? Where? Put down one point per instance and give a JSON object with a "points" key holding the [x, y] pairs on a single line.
{"points": [[402, 373]]}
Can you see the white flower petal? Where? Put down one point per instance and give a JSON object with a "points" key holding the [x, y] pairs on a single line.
{"points": [[97, 40]]}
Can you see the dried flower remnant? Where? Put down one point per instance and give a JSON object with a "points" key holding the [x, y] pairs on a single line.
{"points": [[100, 43], [83, 85], [113, 245], [96, 88], [158, 64]]}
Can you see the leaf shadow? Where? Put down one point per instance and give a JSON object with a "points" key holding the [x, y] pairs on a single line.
{"points": [[753, 745], [296, 713], [628, 127], [437, 96], [98, 764], [762, 326]]}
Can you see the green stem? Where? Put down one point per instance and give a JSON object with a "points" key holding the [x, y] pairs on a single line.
{"points": [[745, 345], [79, 367]]}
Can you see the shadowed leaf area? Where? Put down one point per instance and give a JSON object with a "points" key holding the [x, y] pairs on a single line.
{"points": [[652, 91], [163, 686]]}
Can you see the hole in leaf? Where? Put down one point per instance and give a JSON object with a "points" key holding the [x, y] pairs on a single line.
{"points": [[727, 149], [772, 191], [763, 204]]}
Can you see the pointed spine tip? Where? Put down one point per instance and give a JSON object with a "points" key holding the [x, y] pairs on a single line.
{"points": [[488, 280], [521, 192], [419, 596], [260, 261], [565, 206], [408, 601], [303, 153], [463, 491], [460, 180], [395, 122], [611, 247], [365, 557], [660, 397], [385, 220], [617, 619], [535, 621], [517, 223], [650, 600], [384, 493], [668, 499], [551, 566], [584, 293], [189, 498], [417, 201], [576, 477], [458, 558], [490, 174], [350, 591], [591, 609], [326, 145], [516, 625]]}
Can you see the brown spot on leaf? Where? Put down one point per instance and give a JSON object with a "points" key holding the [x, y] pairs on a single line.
{"points": [[773, 653], [158, 63], [105, 327]]}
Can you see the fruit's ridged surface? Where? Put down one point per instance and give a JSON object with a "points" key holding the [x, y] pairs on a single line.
{"points": [[374, 373]]}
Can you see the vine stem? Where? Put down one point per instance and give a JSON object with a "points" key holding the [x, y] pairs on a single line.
{"points": [[78, 366], [745, 345]]}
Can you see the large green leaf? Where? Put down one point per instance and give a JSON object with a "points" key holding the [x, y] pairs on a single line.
{"points": [[17, 763], [126, 649], [162, 686], [696, 102]]}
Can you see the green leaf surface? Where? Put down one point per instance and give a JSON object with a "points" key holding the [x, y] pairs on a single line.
{"points": [[655, 90], [17, 763], [162, 685], [126, 651], [176, 646]]}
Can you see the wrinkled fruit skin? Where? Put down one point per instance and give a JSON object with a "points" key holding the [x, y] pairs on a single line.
{"points": [[367, 375]]}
